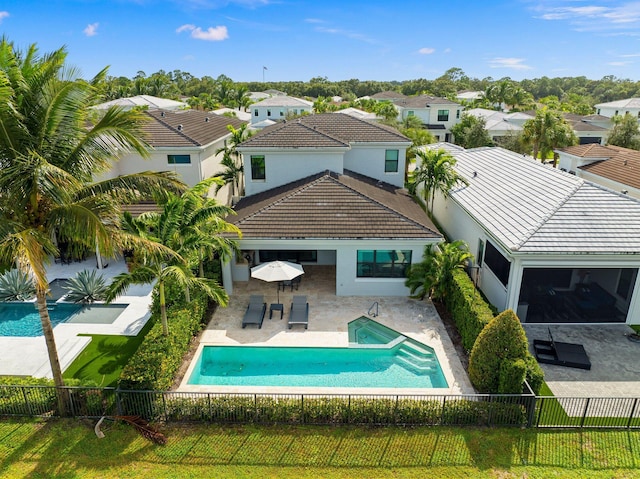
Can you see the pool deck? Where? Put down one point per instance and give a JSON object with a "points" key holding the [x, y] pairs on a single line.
{"points": [[328, 318], [22, 356]]}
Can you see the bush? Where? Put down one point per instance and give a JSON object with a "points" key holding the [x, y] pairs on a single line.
{"points": [[512, 376], [468, 309], [503, 339], [535, 375], [158, 358]]}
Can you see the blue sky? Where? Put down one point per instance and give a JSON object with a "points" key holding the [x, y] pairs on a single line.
{"points": [[337, 39]]}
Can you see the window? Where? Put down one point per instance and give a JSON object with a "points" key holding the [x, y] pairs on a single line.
{"points": [[268, 112], [443, 115], [625, 282], [391, 161], [383, 263], [257, 167], [598, 112], [179, 159], [497, 263], [255, 112], [411, 113], [480, 254], [458, 114], [281, 112]]}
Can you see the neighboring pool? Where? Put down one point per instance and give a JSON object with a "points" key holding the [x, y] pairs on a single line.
{"points": [[377, 357], [22, 319]]}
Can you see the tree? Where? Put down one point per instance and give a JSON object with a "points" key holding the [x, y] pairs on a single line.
{"points": [[471, 132], [547, 131], [50, 153], [171, 244], [625, 132], [435, 173], [433, 276], [234, 170]]}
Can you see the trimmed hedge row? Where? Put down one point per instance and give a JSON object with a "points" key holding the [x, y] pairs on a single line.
{"points": [[469, 310], [158, 358]]}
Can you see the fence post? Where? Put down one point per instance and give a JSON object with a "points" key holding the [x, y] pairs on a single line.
{"points": [[164, 406], [349, 410], [26, 401], [209, 404], [302, 409], [444, 401], [633, 411], [584, 414], [255, 408], [71, 405]]}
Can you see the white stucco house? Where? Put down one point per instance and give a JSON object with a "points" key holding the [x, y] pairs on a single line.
{"points": [[613, 167], [438, 115], [184, 142], [619, 107], [547, 244], [278, 107], [328, 190]]}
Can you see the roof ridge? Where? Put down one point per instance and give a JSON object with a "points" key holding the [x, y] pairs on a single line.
{"points": [[546, 217], [321, 131]]}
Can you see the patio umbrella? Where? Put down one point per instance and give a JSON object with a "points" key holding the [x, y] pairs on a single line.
{"points": [[277, 271]]}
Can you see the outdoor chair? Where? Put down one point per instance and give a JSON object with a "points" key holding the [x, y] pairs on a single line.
{"points": [[299, 312], [570, 355], [295, 282], [255, 311]]}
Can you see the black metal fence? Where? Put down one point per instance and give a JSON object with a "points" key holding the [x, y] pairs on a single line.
{"points": [[525, 410]]}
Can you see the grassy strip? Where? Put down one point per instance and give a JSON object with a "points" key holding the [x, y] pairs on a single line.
{"points": [[102, 361], [69, 448]]}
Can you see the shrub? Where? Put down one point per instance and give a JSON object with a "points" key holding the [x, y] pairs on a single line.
{"points": [[512, 376], [86, 287], [535, 375], [468, 309], [16, 286], [503, 339]]}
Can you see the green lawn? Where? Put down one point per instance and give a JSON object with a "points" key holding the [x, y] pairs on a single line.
{"points": [[104, 357], [68, 448]]}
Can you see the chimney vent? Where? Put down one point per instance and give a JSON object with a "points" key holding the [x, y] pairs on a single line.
{"points": [[179, 127]]}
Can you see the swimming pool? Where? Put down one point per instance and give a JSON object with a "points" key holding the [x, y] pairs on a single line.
{"points": [[23, 319], [379, 357]]}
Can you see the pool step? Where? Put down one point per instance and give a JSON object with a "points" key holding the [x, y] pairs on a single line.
{"points": [[416, 358]]}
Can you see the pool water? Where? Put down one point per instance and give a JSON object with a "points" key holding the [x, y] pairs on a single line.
{"points": [[385, 359], [23, 319]]}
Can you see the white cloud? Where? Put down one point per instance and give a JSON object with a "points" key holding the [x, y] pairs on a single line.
{"points": [[313, 20], [346, 33], [3, 15], [619, 64], [426, 51], [211, 34], [91, 30], [511, 63], [447, 50], [599, 18]]}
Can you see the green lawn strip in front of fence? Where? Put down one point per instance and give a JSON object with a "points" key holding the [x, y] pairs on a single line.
{"points": [[101, 362], [552, 413], [68, 448]]}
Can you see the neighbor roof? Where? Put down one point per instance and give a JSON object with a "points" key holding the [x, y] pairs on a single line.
{"points": [[186, 128], [323, 131], [283, 100], [532, 208], [387, 95], [333, 206], [422, 101], [618, 164], [627, 103], [151, 102]]}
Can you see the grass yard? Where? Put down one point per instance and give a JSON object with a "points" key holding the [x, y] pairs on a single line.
{"points": [[69, 448], [101, 362]]}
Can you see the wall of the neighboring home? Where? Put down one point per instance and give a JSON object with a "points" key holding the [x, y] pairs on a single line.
{"points": [[276, 113], [210, 166], [572, 163], [612, 111], [370, 161], [607, 183], [458, 225], [282, 167]]}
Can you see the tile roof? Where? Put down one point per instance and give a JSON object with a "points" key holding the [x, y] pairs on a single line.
{"points": [[626, 103], [387, 95], [333, 206], [187, 128], [621, 165], [532, 208], [325, 130], [284, 100], [593, 150], [422, 101]]}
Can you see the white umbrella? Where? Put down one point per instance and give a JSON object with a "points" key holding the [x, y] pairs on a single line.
{"points": [[277, 271]]}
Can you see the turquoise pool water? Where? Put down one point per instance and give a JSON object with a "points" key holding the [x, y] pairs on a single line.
{"points": [[22, 319], [384, 359]]}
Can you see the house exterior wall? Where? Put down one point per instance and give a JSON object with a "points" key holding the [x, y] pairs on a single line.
{"points": [[370, 160], [282, 167], [276, 113], [610, 111], [607, 183], [429, 116]]}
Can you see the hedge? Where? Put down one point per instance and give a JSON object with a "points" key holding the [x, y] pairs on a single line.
{"points": [[468, 309]]}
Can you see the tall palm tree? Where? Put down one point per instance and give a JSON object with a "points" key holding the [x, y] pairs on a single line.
{"points": [[547, 131], [177, 234], [234, 170], [50, 153], [436, 174], [433, 276]]}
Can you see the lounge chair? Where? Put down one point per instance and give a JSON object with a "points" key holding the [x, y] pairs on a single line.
{"points": [[570, 355], [255, 311], [299, 311]]}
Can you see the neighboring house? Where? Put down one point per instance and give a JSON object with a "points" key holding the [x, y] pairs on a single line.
{"points": [[588, 129], [438, 115], [370, 231], [497, 123], [234, 113], [547, 244], [357, 113], [613, 167], [470, 96], [327, 189], [184, 142], [144, 101], [279, 107], [619, 107], [290, 150]]}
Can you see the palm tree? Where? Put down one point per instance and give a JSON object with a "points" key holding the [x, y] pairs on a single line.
{"points": [[547, 131], [435, 173], [172, 242], [234, 170], [50, 153], [433, 276]]}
